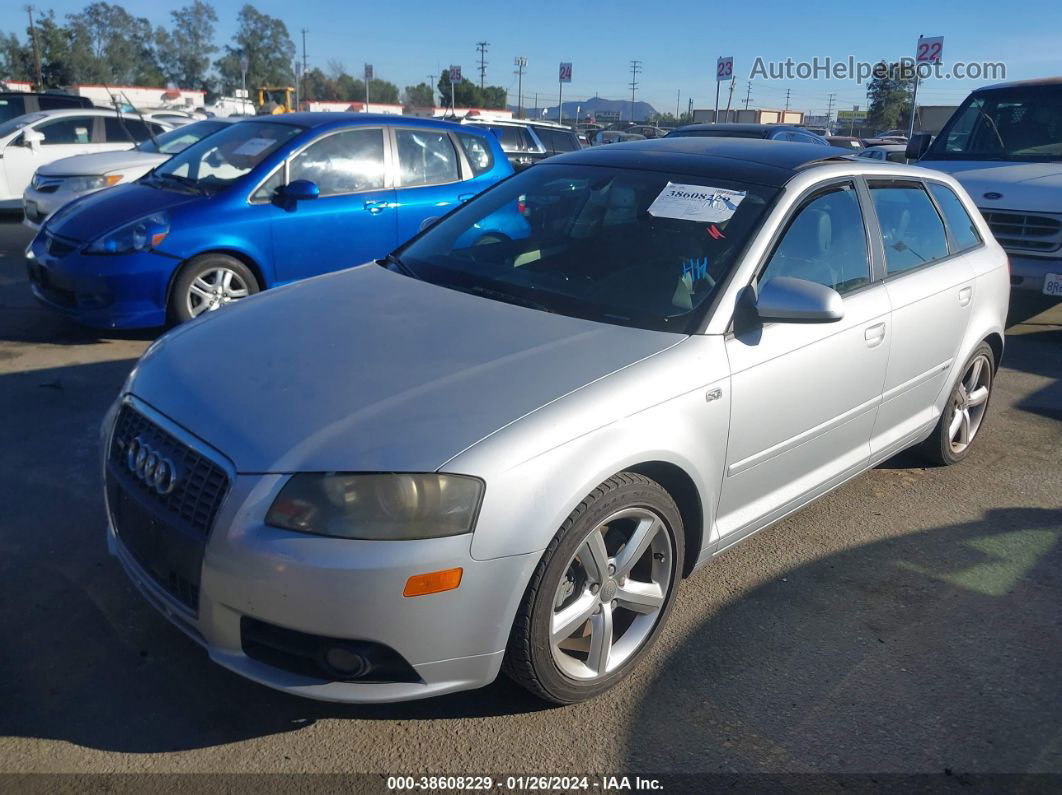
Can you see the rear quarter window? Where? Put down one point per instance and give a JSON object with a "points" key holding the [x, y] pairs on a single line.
{"points": [[963, 231], [478, 152]]}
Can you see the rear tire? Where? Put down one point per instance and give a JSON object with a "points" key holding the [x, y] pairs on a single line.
{"points": [[209, 282], [609, 575], [965, 412]]}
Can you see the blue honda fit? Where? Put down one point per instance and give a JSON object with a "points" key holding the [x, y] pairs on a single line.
{"points": [[263, 202]]}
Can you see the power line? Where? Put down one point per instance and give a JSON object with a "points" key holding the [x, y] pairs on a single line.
{"points": [[636, 68], [481, 47]]}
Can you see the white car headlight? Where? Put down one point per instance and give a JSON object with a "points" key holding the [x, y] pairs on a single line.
{"points": [[383, 507], [140, 235], [84, 184]]}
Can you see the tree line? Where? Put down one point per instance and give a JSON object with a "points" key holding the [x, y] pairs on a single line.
{"points": [[104, 43]]}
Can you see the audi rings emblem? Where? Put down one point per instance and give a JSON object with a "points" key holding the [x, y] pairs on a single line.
{"points": [[150, 467]]}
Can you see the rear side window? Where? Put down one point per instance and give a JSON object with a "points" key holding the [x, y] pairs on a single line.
{"points": [[477, 150], [425, 157], [963, 231], [67, 130], [912, 230], [825, 242], [10, 107], [557, 141], [513, 139]]}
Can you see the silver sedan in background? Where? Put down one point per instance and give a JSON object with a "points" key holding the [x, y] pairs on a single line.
{"points": [[504, 447]]}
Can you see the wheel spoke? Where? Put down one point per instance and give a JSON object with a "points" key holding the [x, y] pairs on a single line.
{"points": [[978, 396], [956, 424], [226, 279], [635, 547], [236, 293], [964, 428], [594, 557], [641, 597], [600, 640], [566, 621], [974, 375]]}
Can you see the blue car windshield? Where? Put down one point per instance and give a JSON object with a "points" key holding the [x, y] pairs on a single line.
{"points": [[218, 160], [639, 248]]}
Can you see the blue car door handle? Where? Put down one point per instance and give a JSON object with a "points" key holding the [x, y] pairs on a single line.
{"points": [[375, 207], [463, 197]]}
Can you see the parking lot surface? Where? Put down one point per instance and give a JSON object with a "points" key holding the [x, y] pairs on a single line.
{"points": [[909, 622]]}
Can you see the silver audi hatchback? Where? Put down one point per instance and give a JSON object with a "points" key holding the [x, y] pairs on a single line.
{"points": [[504, 446]]}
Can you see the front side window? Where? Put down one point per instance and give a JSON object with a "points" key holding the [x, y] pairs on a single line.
{"points": [[910, 226], [825, 242], [343, 162], [477, 150], [963, 231], [218, 160], [425, 157], [67, 130], [608, 244]]}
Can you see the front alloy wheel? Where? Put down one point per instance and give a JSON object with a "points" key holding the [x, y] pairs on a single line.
{"points": [[601, 592], [207, 283]]}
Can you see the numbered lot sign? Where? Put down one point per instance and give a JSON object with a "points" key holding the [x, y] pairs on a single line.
{"points": [[455, 74], [566, 73], [929, 49], [724, 68]]}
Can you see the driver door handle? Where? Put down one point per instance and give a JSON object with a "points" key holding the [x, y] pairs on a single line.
{"points": [[874, 335], [375, 207], [965, 294]]}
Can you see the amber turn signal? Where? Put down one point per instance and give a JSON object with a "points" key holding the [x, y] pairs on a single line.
{"points": [[433, 582]]}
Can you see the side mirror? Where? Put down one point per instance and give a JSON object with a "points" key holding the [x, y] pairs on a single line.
{"points": [[32, 139], [788, 300], [427, 222], [918, 146], [300, 190]]}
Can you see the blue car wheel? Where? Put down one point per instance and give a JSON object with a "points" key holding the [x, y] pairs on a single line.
{"points": [[207, 283]]}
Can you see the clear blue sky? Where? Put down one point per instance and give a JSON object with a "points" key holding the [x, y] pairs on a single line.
{"points": [[677, 41]]}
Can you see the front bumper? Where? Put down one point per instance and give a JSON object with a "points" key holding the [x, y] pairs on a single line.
{"points": [[37, 206], [1029, 273], [340, 589], [115, 291]]}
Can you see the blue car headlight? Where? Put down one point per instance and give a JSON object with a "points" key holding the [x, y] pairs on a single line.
{"points": [[140, 235]]}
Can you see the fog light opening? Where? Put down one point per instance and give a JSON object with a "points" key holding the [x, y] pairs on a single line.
{"points": [[345, 663]]}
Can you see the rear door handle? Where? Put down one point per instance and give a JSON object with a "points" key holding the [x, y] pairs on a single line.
{"points": [[463, 197], [375, 207], [874, 335], [965, 294]]}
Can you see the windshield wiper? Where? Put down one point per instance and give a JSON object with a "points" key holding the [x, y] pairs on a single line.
{"points": [[186, 182], [500, 295], [400, 266]]}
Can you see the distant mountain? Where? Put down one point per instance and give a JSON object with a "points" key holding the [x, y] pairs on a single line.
{"points": [[594, 106]]}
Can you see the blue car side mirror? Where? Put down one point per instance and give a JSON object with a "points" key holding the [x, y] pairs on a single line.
{"points": [[300, 190]]}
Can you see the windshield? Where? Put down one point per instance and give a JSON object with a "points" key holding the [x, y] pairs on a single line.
{"points": [[219, 160], [636, 248], [18, 123], [174, 141], [1014, 124]]}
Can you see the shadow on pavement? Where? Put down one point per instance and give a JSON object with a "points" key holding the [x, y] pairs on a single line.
{"points": [[839, 660]]}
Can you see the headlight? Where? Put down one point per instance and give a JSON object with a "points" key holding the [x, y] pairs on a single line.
{"points": [[83, 184], [140, 235], [386, 507]]}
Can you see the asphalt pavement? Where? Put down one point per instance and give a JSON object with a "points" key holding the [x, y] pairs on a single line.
{"points": [[909, 622]]}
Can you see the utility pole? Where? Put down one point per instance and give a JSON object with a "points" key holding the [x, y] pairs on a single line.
{"points": [[36, 48], [787, 99], [748, 95], [481, 47], [521, 64], [678, 96], [829, 110], [689, 109], [536, 104], [304, 31], [636, 68], [730, 96]]}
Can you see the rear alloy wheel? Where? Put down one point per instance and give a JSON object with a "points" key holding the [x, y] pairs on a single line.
{"points": [[208, 283], [965, 411], [601, 592]]}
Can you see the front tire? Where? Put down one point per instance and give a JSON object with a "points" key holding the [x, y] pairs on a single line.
{"points": [[601, 592], [965, 412], [207, 283]]}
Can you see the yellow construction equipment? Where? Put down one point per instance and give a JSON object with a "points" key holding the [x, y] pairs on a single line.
{"points": [[276, 99]]}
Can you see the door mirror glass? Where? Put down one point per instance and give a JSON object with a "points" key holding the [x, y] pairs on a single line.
{"points": [[918, 146], [785, 299], [300, 190]]}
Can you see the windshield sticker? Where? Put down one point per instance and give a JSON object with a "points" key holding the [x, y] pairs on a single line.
{"points": [[696, 203], [253, 146]]}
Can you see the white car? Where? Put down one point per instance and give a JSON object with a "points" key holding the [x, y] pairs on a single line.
{"points": [[64, 180], [891, 153], [30, 141], [175, 118]]}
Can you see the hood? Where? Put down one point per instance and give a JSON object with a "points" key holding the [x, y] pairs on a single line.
{"points": [[101, 163], [1029, 187], [368, 370], [99, 212]]}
